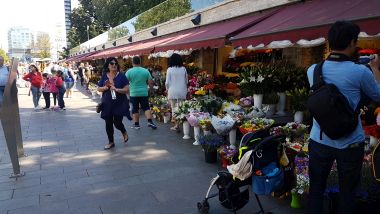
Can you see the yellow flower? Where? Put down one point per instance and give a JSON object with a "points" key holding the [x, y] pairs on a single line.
{"points": [[155, 109], [236, 102], [200, 92], [245, 64]]}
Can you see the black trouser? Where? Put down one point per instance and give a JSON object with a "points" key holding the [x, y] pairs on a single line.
{"points": [[81, 79], [47, 99], [61, 93], [349, 162], [110, 122], [55, 98]]}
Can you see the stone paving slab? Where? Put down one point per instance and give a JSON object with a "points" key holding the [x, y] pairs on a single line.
{"points": [[67, 170]]}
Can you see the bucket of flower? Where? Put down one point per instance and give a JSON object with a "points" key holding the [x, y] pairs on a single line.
{"points": [[210, 145], [255, 124]]}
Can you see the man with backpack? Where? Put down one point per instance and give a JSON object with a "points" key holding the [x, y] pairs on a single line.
{"points": [[337, 134]]}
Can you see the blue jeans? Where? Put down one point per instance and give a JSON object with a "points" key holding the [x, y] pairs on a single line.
{"points": [[36, 95], [1, 94]]}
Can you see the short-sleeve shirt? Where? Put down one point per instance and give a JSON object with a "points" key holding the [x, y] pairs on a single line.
{"points": [[4, 73], [119, 106], [138, 78]]}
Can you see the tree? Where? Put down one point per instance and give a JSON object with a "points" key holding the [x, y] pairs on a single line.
{"points": [[43, 45], [117, 32], [115, 12], [164, 12], [4, 55]]}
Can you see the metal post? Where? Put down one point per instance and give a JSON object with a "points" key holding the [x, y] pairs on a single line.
{"points": [[10, 120]]}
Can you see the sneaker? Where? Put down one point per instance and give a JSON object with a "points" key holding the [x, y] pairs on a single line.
{"points": [[152, 125], [137, 127]]}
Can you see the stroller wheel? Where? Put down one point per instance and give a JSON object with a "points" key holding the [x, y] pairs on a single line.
{"points": [[203, 207]]}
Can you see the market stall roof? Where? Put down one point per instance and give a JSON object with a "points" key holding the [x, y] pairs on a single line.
{"points": [[311, 20], [111, 52], [212, 35]]}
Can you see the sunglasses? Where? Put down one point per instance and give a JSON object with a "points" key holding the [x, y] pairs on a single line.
{"points": [[113, 63]]}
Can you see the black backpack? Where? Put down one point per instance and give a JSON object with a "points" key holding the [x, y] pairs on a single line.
{"points": [[330, 108]]}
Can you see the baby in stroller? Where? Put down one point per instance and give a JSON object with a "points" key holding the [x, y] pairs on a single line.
{"points": [[257, 164]]}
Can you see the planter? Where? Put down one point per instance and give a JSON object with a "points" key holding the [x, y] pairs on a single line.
{"points": [[271, 109], [298, 117], [296, 201], [186, 130], [281, 104], [232, 136], [258, 100], [210, 156], [206, 132], [197, 133], [166, 118]]}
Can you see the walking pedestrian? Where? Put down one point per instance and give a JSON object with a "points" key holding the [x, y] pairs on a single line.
{"points": [[35, 79], [115, 105], [4, 74], [176, 84], [52, 84], [351, 79], [81, 71], [139, 78]]}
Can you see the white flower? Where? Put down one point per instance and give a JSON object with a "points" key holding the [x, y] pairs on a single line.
{"points": [[260, 78], [252, 79]]}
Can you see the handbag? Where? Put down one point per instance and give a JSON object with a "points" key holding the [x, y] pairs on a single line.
{"points": [[99, 107]]}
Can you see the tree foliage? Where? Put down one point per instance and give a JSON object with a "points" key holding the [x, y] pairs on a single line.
{"points": [[43, 45], [164, 12], [4, 55], [115, 12], [117, 32]]}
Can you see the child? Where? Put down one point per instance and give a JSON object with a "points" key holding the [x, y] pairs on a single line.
{"points": [[46, 90], [61, 90], [53, 88]]}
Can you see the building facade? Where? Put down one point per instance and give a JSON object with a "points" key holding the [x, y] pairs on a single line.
{"points": [[20, 41], [67, 16]]}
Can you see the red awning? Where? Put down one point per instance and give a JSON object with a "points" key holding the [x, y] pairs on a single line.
{"points": [[311, 20], [212, 35], [111, 52]]}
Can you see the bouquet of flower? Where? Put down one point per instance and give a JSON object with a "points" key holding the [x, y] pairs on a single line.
{"points": [[255, 124], [222, 125], [210, 104], [254, 112], [210, 142], [186, 108], [291, 130], [298, 97], [257, 78], [246, 101], [205, 123], [194, 118], [231, 108], [228, 152], [302, 173]]}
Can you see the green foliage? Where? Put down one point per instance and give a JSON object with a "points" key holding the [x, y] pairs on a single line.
{"points": [[117, 32], [270, 98], [43, 45], [4, 55], [115, 12], [164, 12], [298, 97]]}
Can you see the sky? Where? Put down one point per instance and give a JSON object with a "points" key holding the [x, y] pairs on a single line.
{"points": [[37, 15]]}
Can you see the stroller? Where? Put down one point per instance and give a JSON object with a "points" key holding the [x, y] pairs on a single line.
{"points": [[234, 193]]}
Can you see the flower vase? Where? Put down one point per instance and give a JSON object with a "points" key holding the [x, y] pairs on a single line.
{"points": [[232, 136], [281, 104], [210, 156], [258, 100], [197, 133], [166, 118], [298, 117], [296, 201], [206, 132], [186, 130]]}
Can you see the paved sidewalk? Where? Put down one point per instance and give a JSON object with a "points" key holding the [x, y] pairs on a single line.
{"points": [[67, 170]]}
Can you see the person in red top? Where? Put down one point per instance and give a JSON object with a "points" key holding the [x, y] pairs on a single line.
{"points": [[35, 79], [61, 90]]}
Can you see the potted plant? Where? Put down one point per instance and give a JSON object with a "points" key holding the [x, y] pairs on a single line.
{"points": [[210, 145], [298, 97], [271, 99]]}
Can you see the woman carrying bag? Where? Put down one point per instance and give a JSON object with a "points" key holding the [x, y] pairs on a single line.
{"points": [[115, 105]]}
